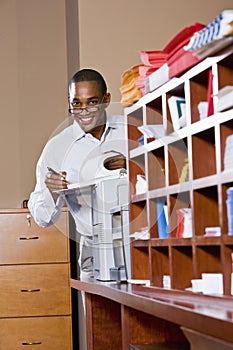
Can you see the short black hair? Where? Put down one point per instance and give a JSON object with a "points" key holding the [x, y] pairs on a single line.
{"points": [[88, 74]]}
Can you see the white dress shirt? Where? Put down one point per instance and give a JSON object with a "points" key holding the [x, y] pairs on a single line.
{"points": [[69, 151]]}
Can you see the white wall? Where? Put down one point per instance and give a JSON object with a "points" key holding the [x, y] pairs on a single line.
{"points": [[113, 32], [33, 88]]}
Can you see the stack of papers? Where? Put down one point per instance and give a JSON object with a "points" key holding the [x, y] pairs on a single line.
{"points": [[115, 174], [152, 130], [162, 219], [170, 62], [215, 36], [179, 60], [153, 58], [177, 109], [94, 171], [224, 98], [187, 48], [184, 223], [130, 93], [152, 61], [156, 79], [228, 159], [144, 71]]}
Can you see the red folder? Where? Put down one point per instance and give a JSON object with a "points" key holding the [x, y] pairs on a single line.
{"points": [[179, 60]]}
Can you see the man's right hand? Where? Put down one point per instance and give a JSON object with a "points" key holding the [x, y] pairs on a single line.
{"points": [[56, 182]]}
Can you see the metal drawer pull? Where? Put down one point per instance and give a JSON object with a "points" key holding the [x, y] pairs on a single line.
{"points": [[30, 290], [31, 343], [28, 238]]}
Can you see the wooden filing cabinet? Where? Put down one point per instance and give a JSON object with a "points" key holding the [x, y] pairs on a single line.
{"points": [[35, 298]]}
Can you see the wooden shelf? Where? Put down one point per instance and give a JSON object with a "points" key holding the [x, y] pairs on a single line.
{"points": [[200, 144], [184, 170]]}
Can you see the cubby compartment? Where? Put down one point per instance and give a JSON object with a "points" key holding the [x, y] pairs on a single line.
{"points": [[225, 72], [203, 154], [138, 217], [208, 259], [226, 129], [224, 216], [135, 119], [181, 265], [153, 219], [140, 261], [177, 202], [156, 168], [178, 162], [153, 124], [199, 86], [176, 108], [205, 209], [154, 113], [160, 265], [136, 166], [158, 217]]}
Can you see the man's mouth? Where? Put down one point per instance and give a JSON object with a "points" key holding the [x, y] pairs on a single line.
{"points": [[86, 120]]}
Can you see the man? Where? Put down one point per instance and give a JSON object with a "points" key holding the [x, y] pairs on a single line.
{"points": [[91, 134]]}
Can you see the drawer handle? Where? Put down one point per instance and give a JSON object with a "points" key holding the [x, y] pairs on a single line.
{"points": [[29, 220], [28, 238], [31, 343], [30, 290]]}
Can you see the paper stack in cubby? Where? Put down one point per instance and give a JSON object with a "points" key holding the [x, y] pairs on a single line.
{"points": [[184, 222], [162, 219], [225, 98], [229, 203], [228, 159], [177, 110]]}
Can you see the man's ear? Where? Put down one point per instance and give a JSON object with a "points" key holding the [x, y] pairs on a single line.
{"points": [[107, 99]]}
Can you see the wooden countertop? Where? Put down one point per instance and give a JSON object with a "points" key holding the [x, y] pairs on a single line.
{"points": [[212, 315]]}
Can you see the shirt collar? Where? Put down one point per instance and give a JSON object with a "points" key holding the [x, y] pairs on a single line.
{"points": [[77, 131]]}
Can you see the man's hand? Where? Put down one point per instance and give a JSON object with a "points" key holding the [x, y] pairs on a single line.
{"points": [[115, 162], [56, 182]]}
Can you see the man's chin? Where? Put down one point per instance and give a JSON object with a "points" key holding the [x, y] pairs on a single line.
{"points": [[85, 126]]}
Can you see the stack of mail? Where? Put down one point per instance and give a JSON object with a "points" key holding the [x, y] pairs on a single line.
{"points": [[228, 159], [215, 36]]}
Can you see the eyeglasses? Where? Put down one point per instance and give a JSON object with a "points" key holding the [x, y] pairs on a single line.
{"points": [[89, 109]]}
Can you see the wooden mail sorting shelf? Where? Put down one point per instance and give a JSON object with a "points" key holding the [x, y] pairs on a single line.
{"points": [[185, 170], [185, 173], [35, 297]]}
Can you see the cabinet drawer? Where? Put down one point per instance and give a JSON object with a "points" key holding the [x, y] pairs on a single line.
{"points": [[23, 241], [43, 333], [34, 290]]}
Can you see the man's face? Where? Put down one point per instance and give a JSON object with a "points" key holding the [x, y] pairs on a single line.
{"points": [[86, 105]]}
